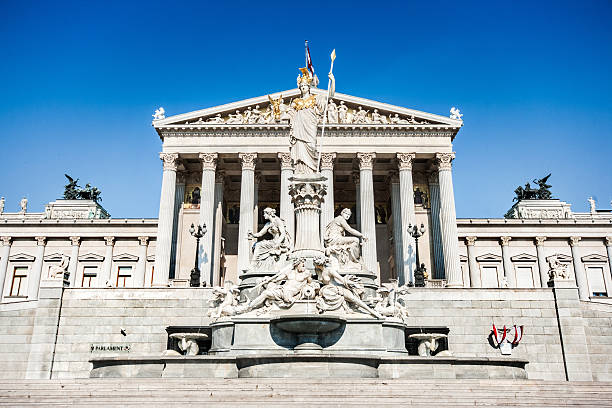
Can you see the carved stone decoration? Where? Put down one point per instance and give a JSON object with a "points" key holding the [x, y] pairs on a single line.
{"points": [[428, 342], [470, 241], [270, 254], [344, 249], [307, 194], [608, 241], [248, 160], [285, 160], [557, 269], [404, 160], [144, 241], [455, 113], [23, 205], [573, 241], [505, 241], [444, 160], [59, 271], [40, 241], [75, 241], [366, 160], [6, 241], [187, 342], [209, 161], [219, 177], [170, 160], [355, 176], [226, 301], [387, 301], [539, 241], [109, 241], [160, 113], [327, 161]]}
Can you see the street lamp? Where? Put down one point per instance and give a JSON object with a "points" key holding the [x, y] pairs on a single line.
{"points": [[195, 272], [420, 272]]}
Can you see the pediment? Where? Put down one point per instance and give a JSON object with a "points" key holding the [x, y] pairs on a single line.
{"points": [[489, 257], [91, 257], [594, 258], [21, 257], [561, 258], [524, 258], [125, 257], [54, 257], [257, 112]]}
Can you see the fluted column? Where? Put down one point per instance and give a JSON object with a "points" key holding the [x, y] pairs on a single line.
{"points": [[218, 230], [448, 221], [165, 220], [179, 197], [107, 266], [542, 266], [581, 279], [4, 256], [475, 281], [247, 189], [207, 203], [368, 216], [408, 264], [286, 205], [396, 212], [327, 171], [141, 266], [355, 177], [36, 272], [436, 234], [75, 243], [507, 262], [257, 180], [608, 241]]}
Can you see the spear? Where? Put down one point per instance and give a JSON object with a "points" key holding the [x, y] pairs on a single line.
{"points": [[331, 68]]}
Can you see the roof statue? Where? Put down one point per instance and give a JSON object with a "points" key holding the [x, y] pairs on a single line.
{"points": [[72, 191], [455, 113], [529, 193], [159, 114]]}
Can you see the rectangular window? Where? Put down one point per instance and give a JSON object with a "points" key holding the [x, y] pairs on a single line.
{"points": [[524, 277], [596, 280], [489, 277], [124, 276], [19, 285], [90, 274]]}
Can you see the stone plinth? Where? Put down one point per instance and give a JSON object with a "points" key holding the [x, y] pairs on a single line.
{"points": [[75, 209], [540, 209]]}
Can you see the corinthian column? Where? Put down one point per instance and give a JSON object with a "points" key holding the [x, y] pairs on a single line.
{"points": [[179, 196], [448, 221], [368, 218], [219, 222], [355, 177], [107, 267], [404, 162], [397, 226], [327, 171], [472, 265], [209, 165], [539, 242], [508, 270], [36, 272], [247, 189], [436, 234], [581, 279], [165, 220], [608, 241], [141, 266], [74, 260], [286, 206], [4, 255]]}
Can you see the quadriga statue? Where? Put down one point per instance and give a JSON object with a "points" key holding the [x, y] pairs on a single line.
{"points": [[270, 254]]}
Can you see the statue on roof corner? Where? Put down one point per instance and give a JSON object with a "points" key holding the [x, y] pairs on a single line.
{"points": [[305, 114]]}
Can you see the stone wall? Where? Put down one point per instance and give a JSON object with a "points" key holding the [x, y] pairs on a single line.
{"points": [[598, 328]]}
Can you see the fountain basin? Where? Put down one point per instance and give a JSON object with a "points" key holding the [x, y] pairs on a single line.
{"points": [[308, 328]]}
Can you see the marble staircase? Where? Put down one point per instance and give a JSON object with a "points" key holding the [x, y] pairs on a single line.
{"points": [[118, 392]]}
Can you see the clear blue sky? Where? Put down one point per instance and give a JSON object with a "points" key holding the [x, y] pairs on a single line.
{"points": [[80, 80]]}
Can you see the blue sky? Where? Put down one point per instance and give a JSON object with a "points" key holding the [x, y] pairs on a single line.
{"points": [[80, 80]]}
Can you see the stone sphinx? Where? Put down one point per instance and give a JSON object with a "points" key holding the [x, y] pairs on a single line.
{"points": [[346, 249]]}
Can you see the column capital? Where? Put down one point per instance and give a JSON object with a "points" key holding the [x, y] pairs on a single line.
{"points": [[170, 160], [539, 241], [470, 241], [75, 241], [355, 176], [505, 241], [366, 160], [40, 240], [327, 161], [404, 160], [444, 160], [573, 241], [109, 241], [209, 161], [6, 241], [219, 177], [285, 160], [608, 241], [143, 240], [247, 160]]}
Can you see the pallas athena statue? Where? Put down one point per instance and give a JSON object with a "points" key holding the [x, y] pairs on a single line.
{"points": [[305, 114]]}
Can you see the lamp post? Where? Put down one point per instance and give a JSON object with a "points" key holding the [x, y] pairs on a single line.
{"points": [[195, 272], [420, 272]]}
